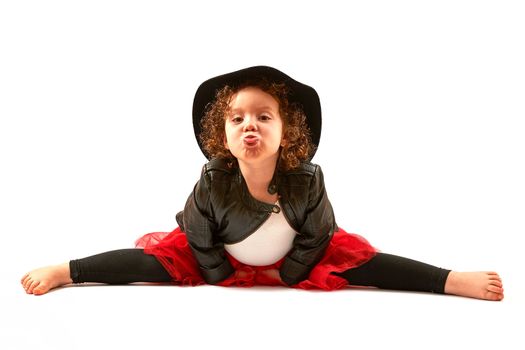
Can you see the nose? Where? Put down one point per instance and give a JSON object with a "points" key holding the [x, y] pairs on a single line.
{"points": [[250, 123]]}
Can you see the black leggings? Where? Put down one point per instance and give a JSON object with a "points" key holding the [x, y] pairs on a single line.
{"points": [[384, 271]]}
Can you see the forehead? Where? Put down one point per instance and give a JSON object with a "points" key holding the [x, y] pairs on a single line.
{"points": [[253, 97]]}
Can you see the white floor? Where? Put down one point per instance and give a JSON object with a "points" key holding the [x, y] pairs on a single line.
{"points": [[141, 316], [422, 151]]}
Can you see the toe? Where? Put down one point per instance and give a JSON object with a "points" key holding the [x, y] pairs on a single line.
{"points": [[32, 286], [27, 282], [27, 286], [42, 288], [494, 278], [493, 296], [495, 289], [24, 278], [496, 283]]}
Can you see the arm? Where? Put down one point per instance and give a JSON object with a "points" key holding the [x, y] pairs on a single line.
{"points": [[314, 235], [199, 226]]}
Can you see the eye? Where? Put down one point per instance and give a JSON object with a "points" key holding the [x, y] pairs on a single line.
{"points": [[236, 119], [264, 117]]}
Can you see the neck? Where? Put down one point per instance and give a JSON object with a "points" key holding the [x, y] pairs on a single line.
{"points": [[258, 177], [258, 173]]}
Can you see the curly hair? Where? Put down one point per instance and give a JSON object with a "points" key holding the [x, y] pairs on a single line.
{"points": [[298, 146]]}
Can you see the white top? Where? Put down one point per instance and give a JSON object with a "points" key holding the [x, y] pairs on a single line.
{"points": [[269, 244]]}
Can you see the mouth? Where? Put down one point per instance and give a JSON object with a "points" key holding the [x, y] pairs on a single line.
{"points": [[250, 140]]}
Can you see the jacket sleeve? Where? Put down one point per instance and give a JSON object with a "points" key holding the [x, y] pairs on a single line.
{"points": [[199, 226], [314, 235]]}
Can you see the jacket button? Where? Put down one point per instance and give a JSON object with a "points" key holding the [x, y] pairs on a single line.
{"points": [[276, 209]]}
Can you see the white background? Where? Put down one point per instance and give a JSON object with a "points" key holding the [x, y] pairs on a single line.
{"points": [[422, 149]]}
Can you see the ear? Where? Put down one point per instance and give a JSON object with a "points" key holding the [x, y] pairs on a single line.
{"points": [[283, 142]]}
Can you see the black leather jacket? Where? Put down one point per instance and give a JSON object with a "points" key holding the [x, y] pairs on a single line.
{"points": [[220, 210]]}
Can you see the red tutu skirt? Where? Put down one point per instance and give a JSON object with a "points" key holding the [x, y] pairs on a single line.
{"points": [[346, 251]]}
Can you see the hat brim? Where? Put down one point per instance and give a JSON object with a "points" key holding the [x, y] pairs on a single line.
{"points": [[303, 94]]}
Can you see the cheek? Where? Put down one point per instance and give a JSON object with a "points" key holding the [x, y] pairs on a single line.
{"points": [[282, 137], [225, 136]]}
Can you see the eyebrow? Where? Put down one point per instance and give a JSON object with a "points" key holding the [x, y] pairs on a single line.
{"points": [[265, 109]]}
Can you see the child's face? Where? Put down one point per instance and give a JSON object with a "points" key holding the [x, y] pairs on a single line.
{"points": [[253, 127]]}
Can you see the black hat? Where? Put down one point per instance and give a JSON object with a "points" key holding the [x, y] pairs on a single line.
{"points": [[303, 94]]}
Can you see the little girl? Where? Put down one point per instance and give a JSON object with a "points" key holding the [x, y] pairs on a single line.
{"points": [[259, 214]]}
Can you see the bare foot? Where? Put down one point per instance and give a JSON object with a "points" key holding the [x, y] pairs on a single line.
{"points": [[479, 285], [40, 281]]}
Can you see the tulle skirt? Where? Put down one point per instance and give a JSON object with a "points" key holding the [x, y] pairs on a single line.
{"points": [[346, 251]]}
